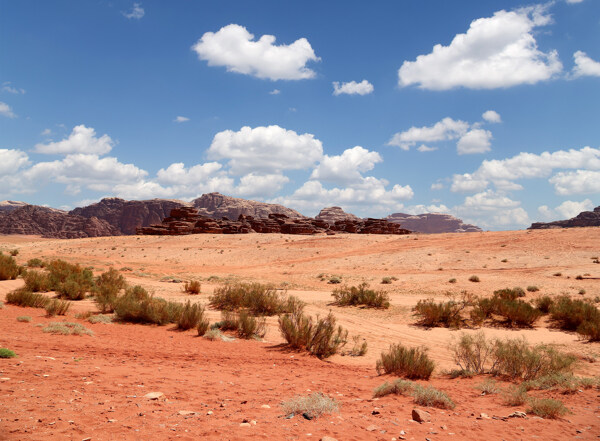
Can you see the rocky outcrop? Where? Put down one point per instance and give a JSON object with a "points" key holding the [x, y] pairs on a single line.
{"points": [[188, 220], [583, 219], [126, 216], [6, 206], [431, 223], [217, 206], [48, 222], [333, 214]]}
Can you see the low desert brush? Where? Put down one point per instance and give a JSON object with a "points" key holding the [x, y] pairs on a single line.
{"points": [[192, 287], [561, 382], [577, 315], [412, 363], [422, 395], [358, 348], [547, 408], [24, 318], [22, 297], [7, 353], [313, 405], [514, 396], [543, 304], [505, 304], [9, 270], [191, 316], [57, 307], [442, 314], [100, 318], [249, 326], [257, 298], [67, 328], [472, 352], [137, 306], [68, 280], [35, 263], [107, 287], [361, 295], [488, 387], [36, 281]]}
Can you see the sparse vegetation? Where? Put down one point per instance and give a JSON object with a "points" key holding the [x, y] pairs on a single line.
{"points": [[543, 304], [7, 353], [547, 408], [249, 326], [67, 328], [504, 303], [192, 287], [319, 337], [361, 295], [532, 288], [334, 280], [452, 280], [474, 279], [107, 288], [137, 306], [412, 363], [24, 318], [9, 270], [561, 382], [23, 297], [488, 387], [386, 281], [359, 348], [313, 405], [191, 316], [57, 307], [576, 315], [100, 318], [514, 396], [68, 280], [444, 314], [36, 281], [256, 298], [422, 395], [35, 263], [472, 352]]}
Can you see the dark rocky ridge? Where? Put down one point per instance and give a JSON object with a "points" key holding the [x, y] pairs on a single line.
{"points": [[52, 223], [433, 223], [583, 219], [333, 214], [6, 206], [218, 206], [126, 216], [187, 220]]}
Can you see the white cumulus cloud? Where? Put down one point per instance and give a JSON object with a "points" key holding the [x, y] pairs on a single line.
{"points": [[566, 210], [8, 87], [253, 184], [474, 141], [265, 150], [445, 129], [5, 110], [136, 12], [178, 174], [12, 160], [576, 182], [347, 167], [495, 52], [352, 88], [181, 119], [234, 47], [585, 66], [81, 140], [491, 116]]}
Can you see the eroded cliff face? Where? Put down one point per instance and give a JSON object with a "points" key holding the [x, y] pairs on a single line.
{"points": [[6, 206], [126, 216], [334, 214], [431, 223], [49, 222], [583, 219], [217, 206]]}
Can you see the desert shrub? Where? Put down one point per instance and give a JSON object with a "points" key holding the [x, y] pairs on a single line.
{"points": [[504, 303], [9, 270], [412, 363], [422, 395], [474, 279], [560, 381], [515, 359], [36, 281], [100, 318], [68, 280], [249, 326], [509, 294], [191, 315], [213, 334], [460, 373], [192, 287], [14, 252], [229, 321], [358, 348], [57, 307], [452, 280], [547, 408], [444, 314], [514, 396], [7, 353], [202, 327], [137, 306], [334, 280], [1, 305], [532, 288], [361, 295], [543, 304], [22, 297], [386, 281], [35, 263], [488, 387], [472, 352], [321, 337], [107, 288], [313, 405], [24, 318], [67, 328], [577, 315], [257, 298]]}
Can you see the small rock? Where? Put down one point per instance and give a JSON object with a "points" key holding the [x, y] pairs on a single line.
{"points": [[265, 406], [328, 438], [87, 439], [375, 412], [186, 412], [483, 416], [371, 428], [210, 412], [155, 396], [517, 414], [245, 424], [420, 416], [307, 416], [444, 427]]}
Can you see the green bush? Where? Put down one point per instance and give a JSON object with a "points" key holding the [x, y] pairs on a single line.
{"points": [[359, 348], [249, 326], [191, 316], [106, 289], [36, 281], [192, 287], [67, 328], [321, 338], [561, 382], [514, 396], [488, 387], [361, 295], [443, 314], [472, 352], [7, 353], [577, 315], [137, 306], [474, 279], [57, 307], [504, 304], [202, 327], [24, 318], [22, 297], [257, 298], [412, 363], [422, 395], [547, 408], [35, 263], [68, 280], [543, 304], [386, 281], [532, 288], [509, 294], [9, 270]]}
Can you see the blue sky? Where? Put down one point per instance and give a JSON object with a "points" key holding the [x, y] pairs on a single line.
{"points": [[485, 110]]}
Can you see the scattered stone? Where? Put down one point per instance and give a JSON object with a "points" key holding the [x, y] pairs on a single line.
{"points": [[372, 428], [375, 412], [210, 412], [186, 413], [245, 424], [483, 416], [265, 406], [307, 416], [517, 414], [155, 396], [328, 438], [420, 416]]}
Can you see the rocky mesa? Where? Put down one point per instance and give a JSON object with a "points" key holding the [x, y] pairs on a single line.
{"points": [[432, 223], [6, 206], [52, 223], [583, 219], [217, 206], [332, 215]]}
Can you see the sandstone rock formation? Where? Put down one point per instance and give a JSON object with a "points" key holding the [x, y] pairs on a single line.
{"points": [[49, 222], [431, 223], [333, 214], [6, 206], [583, 219], [126, 216], [187, 220], [217, 206]]}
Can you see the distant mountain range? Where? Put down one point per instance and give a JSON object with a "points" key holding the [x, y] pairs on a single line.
{"points": [[583, 219], [114, 216]]}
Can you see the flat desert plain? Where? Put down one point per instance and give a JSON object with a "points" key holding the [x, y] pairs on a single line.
{"points": [[94, 387]]}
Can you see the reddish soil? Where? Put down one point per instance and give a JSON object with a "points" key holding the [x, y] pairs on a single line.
{"points": [[76, 387]]}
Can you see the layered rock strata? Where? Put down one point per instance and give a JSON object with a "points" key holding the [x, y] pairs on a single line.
{"points": [[583, 219], [432, 223]]}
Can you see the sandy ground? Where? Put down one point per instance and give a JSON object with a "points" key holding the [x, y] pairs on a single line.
{"points": [[98, 382]]}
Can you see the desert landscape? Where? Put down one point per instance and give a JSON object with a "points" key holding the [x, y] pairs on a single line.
{"points": [[95, 386]]}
